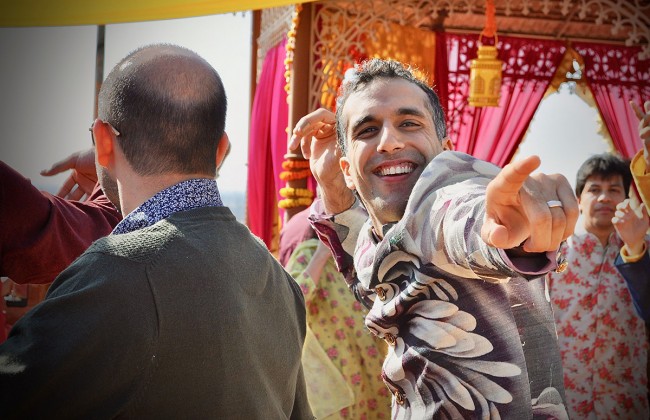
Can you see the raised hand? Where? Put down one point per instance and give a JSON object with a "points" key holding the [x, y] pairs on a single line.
{"points": [[644, 128], [315, 134], [83, 176], [631, 222], [523, 209]]}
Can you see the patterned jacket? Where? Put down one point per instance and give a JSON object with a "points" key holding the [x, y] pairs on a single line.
{"points": [[470, 332]]}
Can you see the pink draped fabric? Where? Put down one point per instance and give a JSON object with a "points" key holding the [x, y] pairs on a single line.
{"points": [[616, 76], [267, 144], [493, 133]]}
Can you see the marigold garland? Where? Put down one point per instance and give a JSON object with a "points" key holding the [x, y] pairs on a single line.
{"points": [[295, 164], [289, 203], [293, 175], [290, 47], [289, 192]]}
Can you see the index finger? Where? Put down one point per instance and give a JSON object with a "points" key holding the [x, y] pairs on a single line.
{"points": [[512, 176], [310, 124]]}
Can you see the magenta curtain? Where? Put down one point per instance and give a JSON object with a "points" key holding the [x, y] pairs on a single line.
{"points": [[267, 144], [616, 76], [493, 133]]}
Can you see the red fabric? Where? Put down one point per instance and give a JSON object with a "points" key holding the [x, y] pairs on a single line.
{"points": [[617, 76], [41, 234], [267, 145], [493, 133]]}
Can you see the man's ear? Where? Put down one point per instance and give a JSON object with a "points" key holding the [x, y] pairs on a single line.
{"points": [[345, 168], [104, 144], [447, 144], [223, 148]]}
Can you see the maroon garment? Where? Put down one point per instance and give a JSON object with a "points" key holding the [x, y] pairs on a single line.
{"points": [[295, 231], [41, 234]]}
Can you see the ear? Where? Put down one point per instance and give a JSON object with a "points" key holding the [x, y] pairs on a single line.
{"points": [[447, 144], [104, 144], [345, 168], [223, 148]]}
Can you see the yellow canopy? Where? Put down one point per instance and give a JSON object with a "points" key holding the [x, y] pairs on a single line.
{"points": [[96, 12]]}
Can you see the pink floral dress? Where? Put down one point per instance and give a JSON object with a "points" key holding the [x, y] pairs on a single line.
{"points": [[336, 319]]}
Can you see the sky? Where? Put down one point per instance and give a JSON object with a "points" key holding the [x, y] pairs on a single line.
{"points": [[47, 95], [47, 82]]}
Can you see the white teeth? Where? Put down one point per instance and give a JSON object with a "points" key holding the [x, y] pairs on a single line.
{"points": [[396, 170]]}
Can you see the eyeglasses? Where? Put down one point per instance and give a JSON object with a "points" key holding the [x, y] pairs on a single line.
{"points": [[92, 134]]}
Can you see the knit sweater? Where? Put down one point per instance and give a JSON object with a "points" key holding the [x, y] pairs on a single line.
{"points": [[191, 317]]}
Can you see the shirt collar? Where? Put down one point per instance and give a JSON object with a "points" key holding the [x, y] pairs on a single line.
{"points": [[186, 195]]}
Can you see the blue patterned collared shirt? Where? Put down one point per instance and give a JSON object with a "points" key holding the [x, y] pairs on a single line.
{"points": [[186, 195]]}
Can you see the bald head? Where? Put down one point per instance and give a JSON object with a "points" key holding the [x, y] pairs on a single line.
{"points": [[169, 106]]}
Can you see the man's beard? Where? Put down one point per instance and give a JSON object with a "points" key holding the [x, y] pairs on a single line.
{"points": [[109, 186]]}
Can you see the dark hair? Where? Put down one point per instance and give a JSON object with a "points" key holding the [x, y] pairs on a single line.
{"points": [[365, 73], [169, 106], [604, 166]]}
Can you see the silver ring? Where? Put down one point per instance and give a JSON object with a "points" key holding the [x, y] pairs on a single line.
{"points": [[554, 203]]}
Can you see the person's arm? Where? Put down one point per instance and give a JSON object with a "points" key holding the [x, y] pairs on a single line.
{"points": [[41, 234], [336, 215], [633, 262], [635, 272], [640, 164], [315, 134], [484, 222]]}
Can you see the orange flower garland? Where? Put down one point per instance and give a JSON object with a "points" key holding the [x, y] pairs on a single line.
{"points": [[293, 175], [295, 164]]}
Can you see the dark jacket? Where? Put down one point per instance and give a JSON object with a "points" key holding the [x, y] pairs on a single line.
{"points": [[188, 318]]}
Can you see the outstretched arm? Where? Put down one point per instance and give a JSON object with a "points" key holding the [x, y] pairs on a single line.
{"points": [[518, 212], [41, 234]]}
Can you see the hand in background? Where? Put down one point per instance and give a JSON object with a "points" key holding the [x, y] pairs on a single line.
{"points": [[83, 176], [631, 222], [644, 128], [315, 134]]}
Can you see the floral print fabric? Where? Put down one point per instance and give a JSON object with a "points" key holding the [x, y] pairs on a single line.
{"points": [[602, 339], [336, 320], [186, 195]]}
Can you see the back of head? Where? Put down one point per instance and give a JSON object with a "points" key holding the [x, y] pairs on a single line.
{"points": [[603, 166], [371, 70], [169, 106]]}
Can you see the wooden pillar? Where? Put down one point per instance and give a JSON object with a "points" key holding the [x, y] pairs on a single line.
{"points": [[299, 101], [256, 25], [99, 64]]}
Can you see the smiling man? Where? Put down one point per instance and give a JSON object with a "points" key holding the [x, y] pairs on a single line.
{"points": [[449, 251], [602, 339]]}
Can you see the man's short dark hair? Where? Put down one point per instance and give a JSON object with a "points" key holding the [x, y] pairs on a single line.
{"points": [[603, 166], [365, 73], [169, 106]]}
